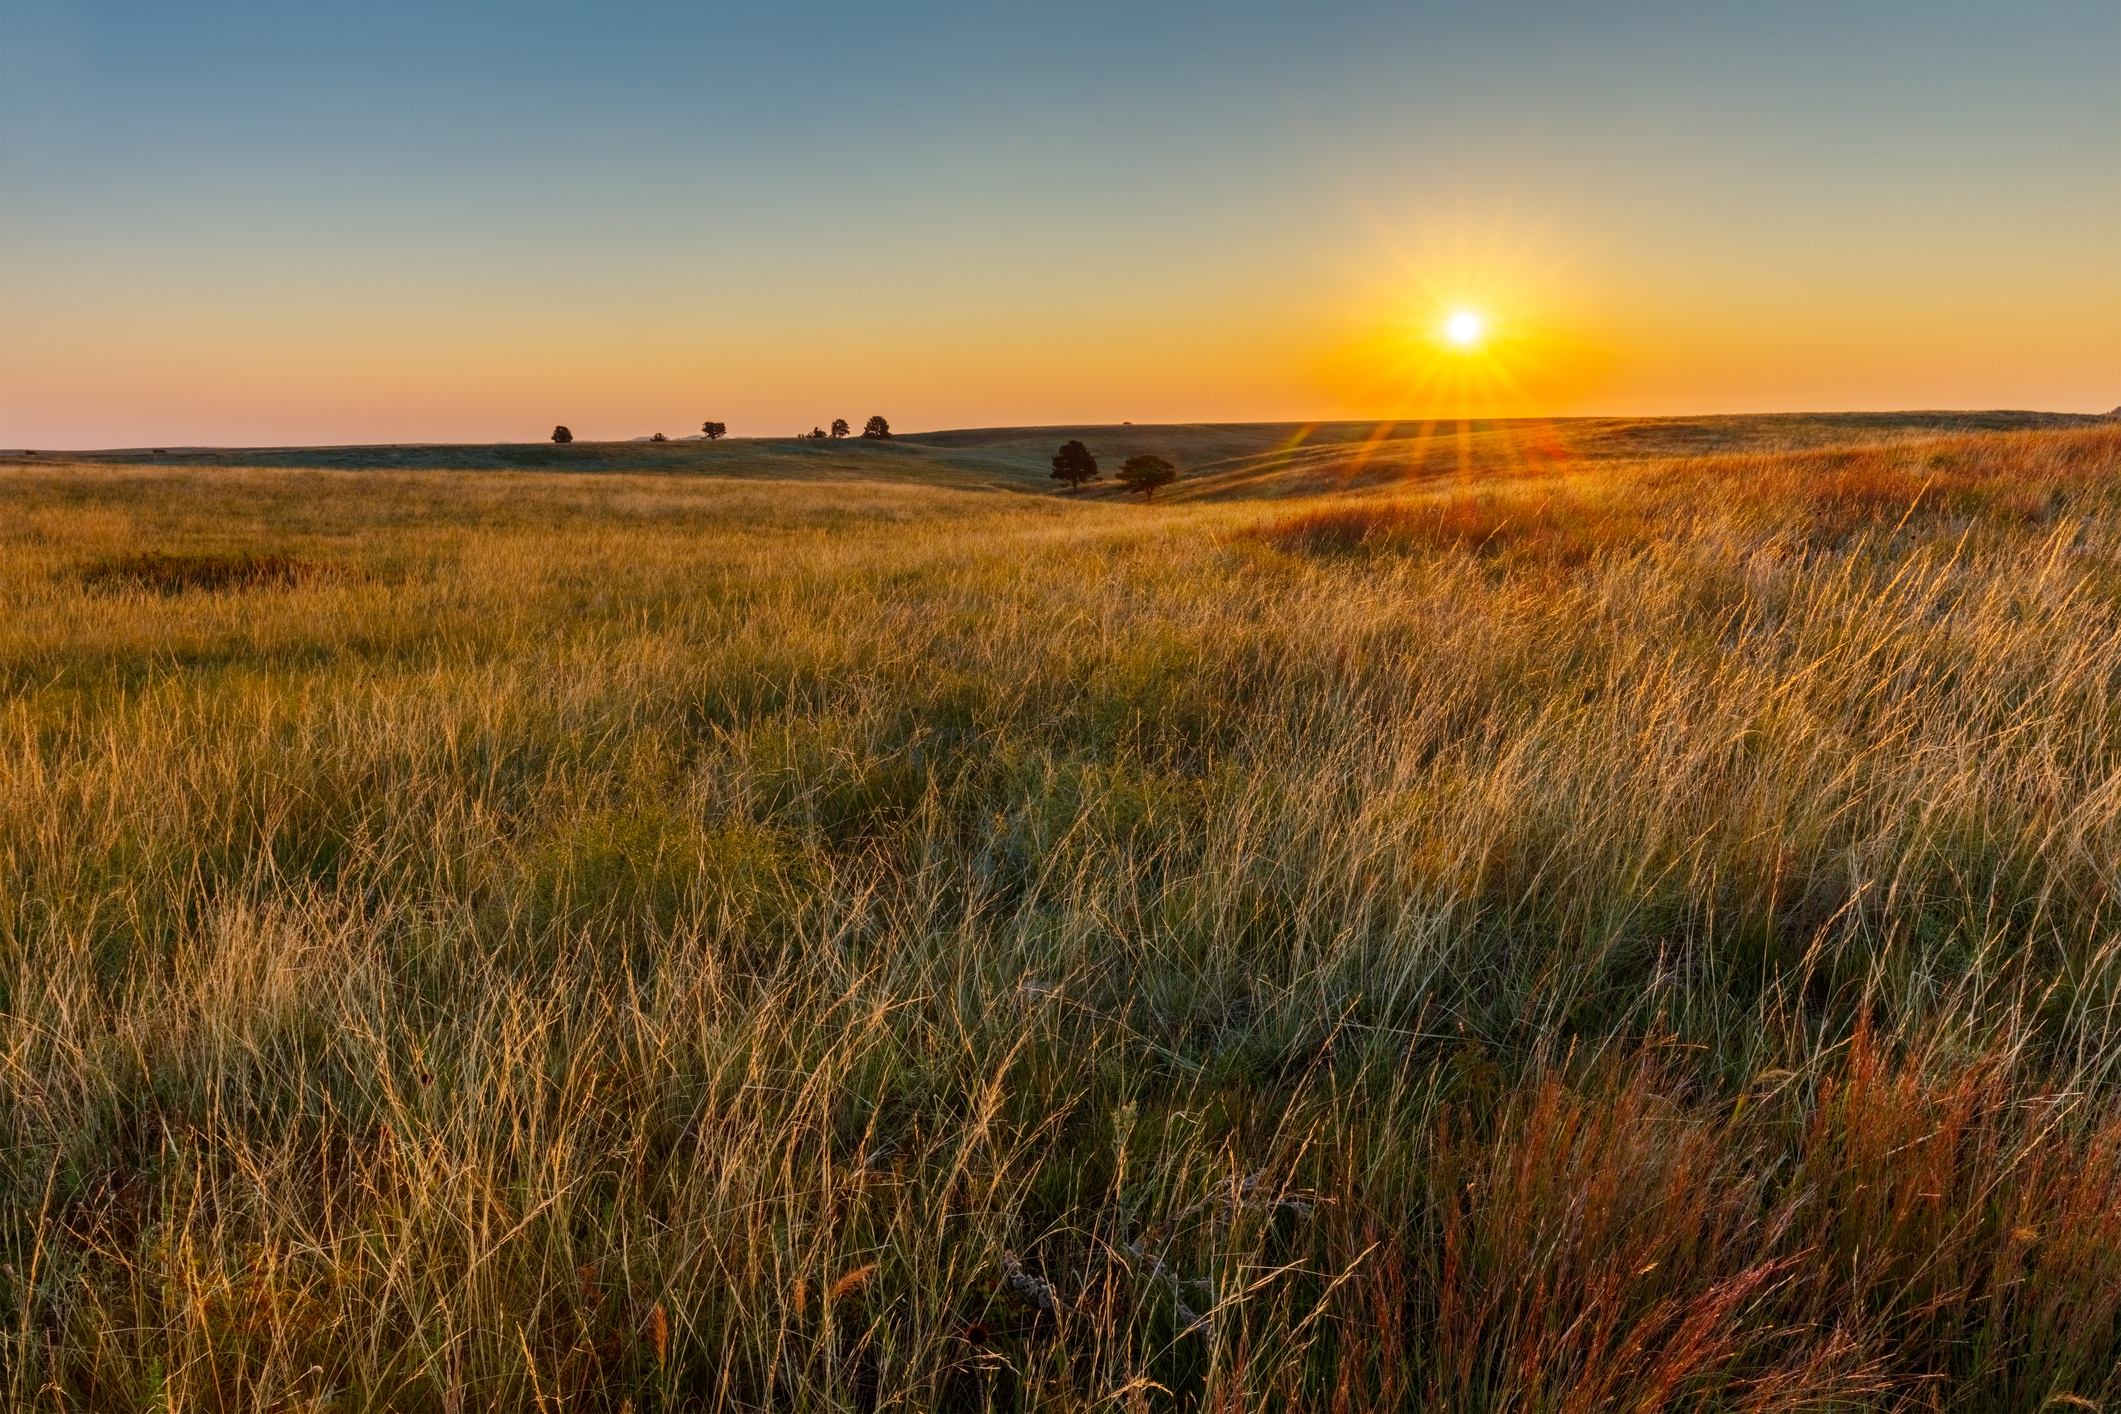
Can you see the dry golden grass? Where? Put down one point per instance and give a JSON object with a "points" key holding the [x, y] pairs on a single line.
{"points": [[1642, 940]]}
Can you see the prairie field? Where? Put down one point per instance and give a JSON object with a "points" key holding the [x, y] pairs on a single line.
{"points": [[1531, 931]]}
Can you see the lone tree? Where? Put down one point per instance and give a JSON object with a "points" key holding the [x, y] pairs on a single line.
{"points": [[877, 427], [1145, 473], [840, 427], [561, 434], [659, 437], [1074, 465], [714, 431]]}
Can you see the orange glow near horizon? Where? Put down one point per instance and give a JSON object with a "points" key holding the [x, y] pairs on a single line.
{"points": [[1475, 313], [1460, 322], [1429, 315], [1475, 324]]}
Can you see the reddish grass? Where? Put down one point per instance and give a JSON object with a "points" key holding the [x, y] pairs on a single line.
{"points": [[1548, 527], [2021, 478], [1825, 497], [1913, 1232]]}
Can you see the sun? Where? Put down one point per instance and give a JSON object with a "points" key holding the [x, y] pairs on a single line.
{"points": [[1464, 324]]}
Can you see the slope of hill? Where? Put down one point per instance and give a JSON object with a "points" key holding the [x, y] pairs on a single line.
{"points": [[1245, 461], [750, 458], [1221, 461]]}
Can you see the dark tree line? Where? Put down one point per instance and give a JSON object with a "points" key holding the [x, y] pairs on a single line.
{"points": [[876, 428]]}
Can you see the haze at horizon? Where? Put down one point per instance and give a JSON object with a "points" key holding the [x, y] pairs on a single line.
{"points": [[294, 225]]}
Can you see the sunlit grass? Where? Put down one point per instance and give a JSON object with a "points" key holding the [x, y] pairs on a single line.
{"points": [[1629, 940]]}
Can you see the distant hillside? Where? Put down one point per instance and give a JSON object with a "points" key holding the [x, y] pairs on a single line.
{"points": [[1244, 461], [750, 458], [1221, 461]]}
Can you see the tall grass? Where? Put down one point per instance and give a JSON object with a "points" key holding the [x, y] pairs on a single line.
{"points": [[677, 944]]}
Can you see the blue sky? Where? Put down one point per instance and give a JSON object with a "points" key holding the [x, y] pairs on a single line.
{"points": [[318, 222]]}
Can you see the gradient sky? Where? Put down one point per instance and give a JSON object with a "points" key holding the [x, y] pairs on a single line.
{"points": [[311, 223]]}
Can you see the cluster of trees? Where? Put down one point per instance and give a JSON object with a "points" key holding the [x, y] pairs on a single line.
{"points": [[1143, 474], [875, 428]]}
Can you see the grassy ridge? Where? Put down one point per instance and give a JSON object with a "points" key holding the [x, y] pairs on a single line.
{"points": [[1221, 461], [1628, 936]]}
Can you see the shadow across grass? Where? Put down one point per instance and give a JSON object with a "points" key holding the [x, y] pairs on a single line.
{"points": [[1554, 529], [163, 573]]}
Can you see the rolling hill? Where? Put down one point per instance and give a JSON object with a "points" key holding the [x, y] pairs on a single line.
{"points": [[1220, 461]]}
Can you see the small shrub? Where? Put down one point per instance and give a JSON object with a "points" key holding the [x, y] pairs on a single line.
{"points": [[561, 434]]}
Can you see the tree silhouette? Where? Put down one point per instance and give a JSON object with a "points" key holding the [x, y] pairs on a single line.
{"points": [[561, 434], [659, 437], [1145, 473], [877, 427], [1074, 465], [715, 431], [817, 434], [840, 427]]}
